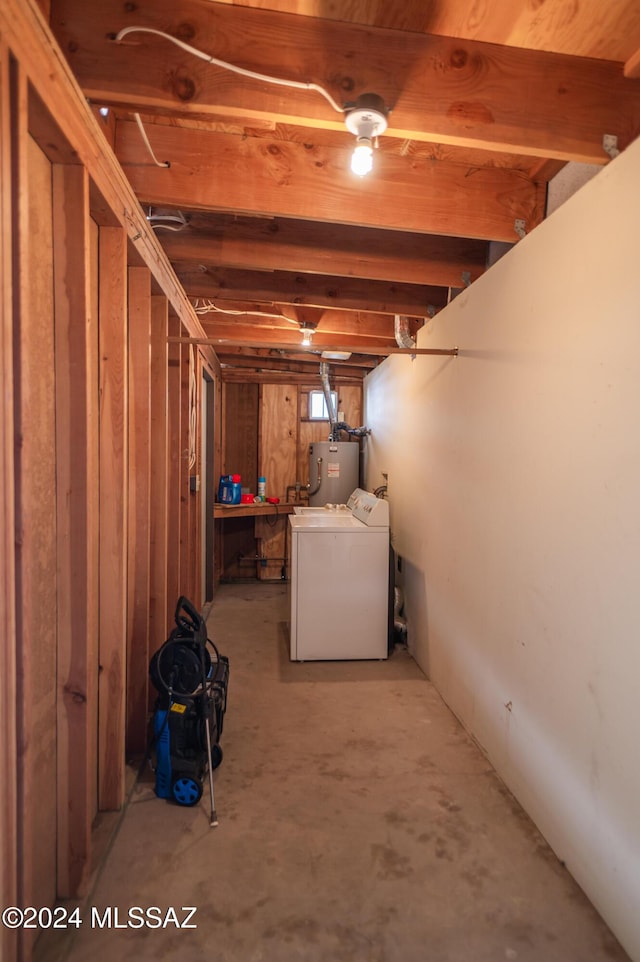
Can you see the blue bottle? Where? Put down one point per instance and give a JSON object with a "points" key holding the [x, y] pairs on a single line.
{"points": [[230, 489]]}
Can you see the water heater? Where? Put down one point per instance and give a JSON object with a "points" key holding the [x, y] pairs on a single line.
{"points": [[334, 471]]}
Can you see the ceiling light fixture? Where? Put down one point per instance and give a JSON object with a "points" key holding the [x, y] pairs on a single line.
{"points": [[307, 334], [366, 118]]}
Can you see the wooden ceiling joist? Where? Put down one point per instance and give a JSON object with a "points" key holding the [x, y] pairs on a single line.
{"points": [[289, 318], [442, 90], [308, 367], [247, 356], [224, 172], [319, 344], [246, 243], [316, 290], [276, 223], [25, 33], [632, 66]]}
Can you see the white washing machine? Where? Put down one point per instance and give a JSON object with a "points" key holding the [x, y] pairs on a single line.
{"points": [[339, 596]]}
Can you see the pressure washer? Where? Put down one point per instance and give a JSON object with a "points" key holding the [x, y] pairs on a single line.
{"points": [[191, 678]]}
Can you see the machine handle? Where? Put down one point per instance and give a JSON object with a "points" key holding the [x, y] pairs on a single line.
{"points": [[187, 617]]}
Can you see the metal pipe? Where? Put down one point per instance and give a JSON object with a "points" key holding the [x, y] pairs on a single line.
{"points": [[326, 387], [318, 480], [401, 331], [297, 487]]}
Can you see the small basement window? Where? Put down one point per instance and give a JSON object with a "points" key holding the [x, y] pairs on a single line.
{"points": [[318, 405]]}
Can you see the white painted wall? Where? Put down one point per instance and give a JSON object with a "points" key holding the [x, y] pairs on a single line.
{"points": [[514, 487]]}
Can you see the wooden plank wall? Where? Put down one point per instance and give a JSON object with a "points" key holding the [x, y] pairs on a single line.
{"points": [[9, 687], [278, 427], [278, 445], [240, 432], [84, 478], [267, 431], [349, 402], [236, 539]]}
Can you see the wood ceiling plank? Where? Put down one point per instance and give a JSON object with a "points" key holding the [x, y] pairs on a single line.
{"points": [[285, 179], [274, 243], [453, 91], [589, 28], [317, 290]]}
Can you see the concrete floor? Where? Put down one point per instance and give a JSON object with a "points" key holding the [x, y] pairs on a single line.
{"points": [[357, 822]]}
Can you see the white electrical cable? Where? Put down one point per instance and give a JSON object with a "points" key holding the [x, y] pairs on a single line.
{"points": [[208, 307], [157, 162], [176, 222], [230, 66]]}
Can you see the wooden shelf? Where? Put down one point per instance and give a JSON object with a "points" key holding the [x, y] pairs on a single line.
{"points": [[249, 510]]}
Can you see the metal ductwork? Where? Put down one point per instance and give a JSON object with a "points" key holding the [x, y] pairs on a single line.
{"points": [[401, 331], [326, 387], [335, 425]]}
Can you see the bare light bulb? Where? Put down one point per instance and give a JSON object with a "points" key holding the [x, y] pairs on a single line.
{"points": [[367, 119], [307, 334], [362, 157]]}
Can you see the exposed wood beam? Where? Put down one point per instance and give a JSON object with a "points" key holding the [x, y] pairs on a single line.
{"points": [[358, 360], [159, 426], [9, 813], [26, 34], [139, 467], [274, 243], [286, 377], [319, 343], [113, 517], [249, 335], [352, 323], [316, 290], [262, 363], [246, 357], [545, 170], [239, 354], [77, 476], [441, 89], [632, 66], [287, 179]]}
